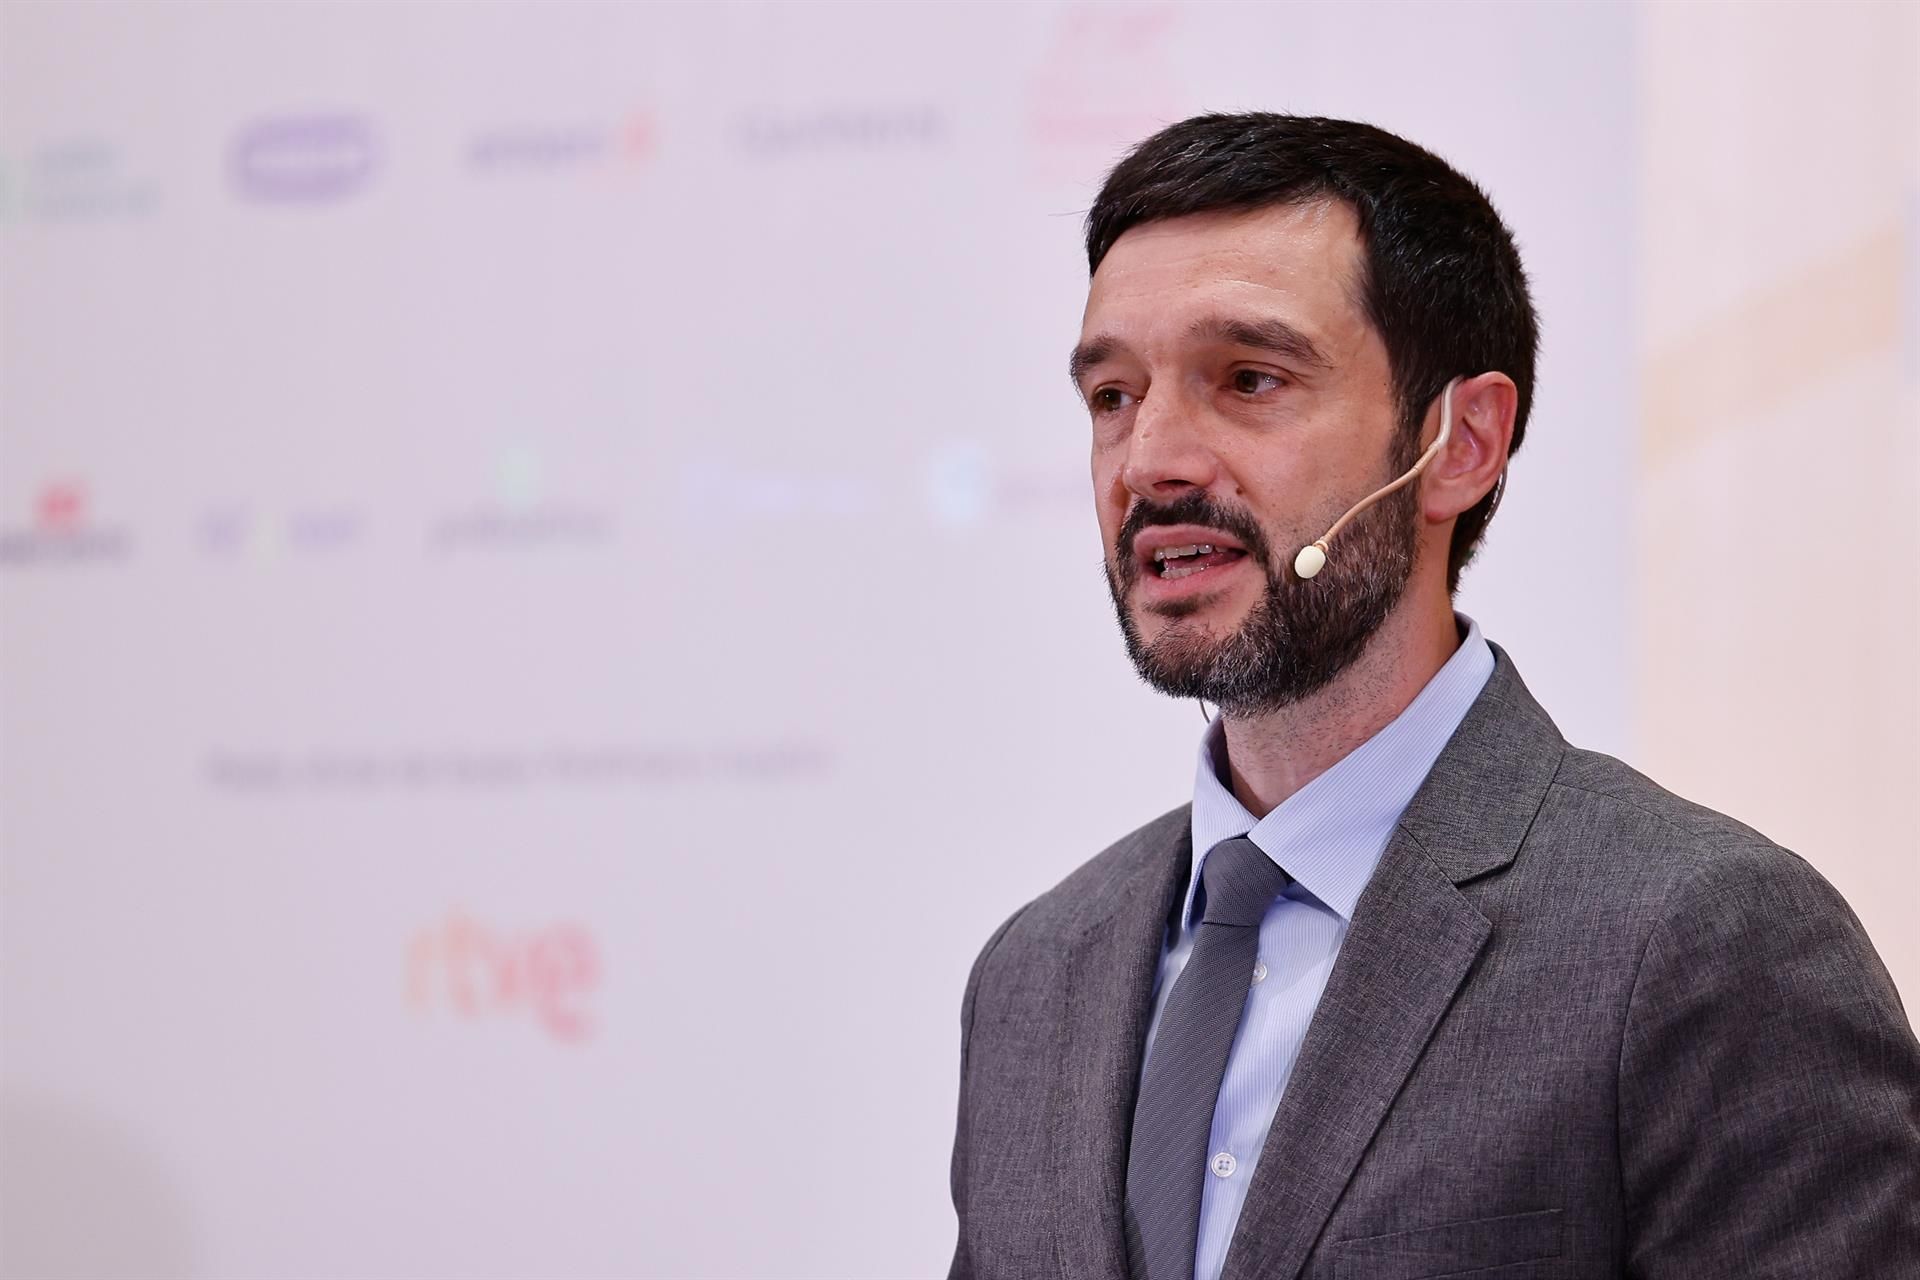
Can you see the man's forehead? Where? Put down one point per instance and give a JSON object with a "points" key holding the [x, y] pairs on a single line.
{"points": [[1308, 253]]}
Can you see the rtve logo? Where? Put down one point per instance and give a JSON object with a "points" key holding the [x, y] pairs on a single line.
{"points": [[545, 974]]}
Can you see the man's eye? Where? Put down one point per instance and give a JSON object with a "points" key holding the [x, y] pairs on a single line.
{"points": [[1251, 382], [1109, 400]]}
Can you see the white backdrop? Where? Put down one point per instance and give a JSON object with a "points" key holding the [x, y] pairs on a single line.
{"points": [[550, 597]]}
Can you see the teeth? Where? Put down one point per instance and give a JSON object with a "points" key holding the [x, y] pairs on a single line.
{"points": [[1167, 556]]}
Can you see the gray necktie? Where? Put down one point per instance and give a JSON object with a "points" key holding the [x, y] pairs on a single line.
{"points": [[1167, 1159]]}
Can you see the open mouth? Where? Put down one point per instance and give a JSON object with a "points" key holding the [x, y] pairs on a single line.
{"points": [[1198, 557]]}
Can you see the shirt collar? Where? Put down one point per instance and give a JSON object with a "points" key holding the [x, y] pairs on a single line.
{"points": [[1329, 835]]}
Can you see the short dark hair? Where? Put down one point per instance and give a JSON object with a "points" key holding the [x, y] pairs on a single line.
{"points": [[1442, 283]]}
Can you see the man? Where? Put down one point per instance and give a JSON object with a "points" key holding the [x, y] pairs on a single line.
{"points": [[1412, 988]]}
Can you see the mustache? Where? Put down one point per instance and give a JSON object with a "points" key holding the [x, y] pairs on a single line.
{"points": [[1192, 507]]}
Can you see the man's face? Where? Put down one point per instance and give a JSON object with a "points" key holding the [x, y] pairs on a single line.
{"points": [[1241, 400]]}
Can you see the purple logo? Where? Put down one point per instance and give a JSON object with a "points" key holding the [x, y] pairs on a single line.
{"points": [[303, 159]]}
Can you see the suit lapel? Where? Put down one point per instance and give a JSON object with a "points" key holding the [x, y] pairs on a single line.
{"points": [[1108, 979], [1413, 940]]}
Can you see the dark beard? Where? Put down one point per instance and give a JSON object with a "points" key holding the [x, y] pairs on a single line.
{"points": [[1300, 635]]}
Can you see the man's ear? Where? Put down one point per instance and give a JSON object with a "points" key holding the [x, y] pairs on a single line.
{"points": [[1476, 452]]}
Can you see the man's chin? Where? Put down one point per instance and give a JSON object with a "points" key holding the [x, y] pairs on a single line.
{"points": [[1182, 667], [1183, 643]]}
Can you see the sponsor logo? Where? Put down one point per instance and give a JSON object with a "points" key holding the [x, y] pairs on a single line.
{"points": [[235, 533], [80, 180], [312, 159], [1104, 83], [347, 771], [957, 485], [61, 507], [519, 514], [491, 527], [712, 487], [771, 134], [555, 148], [61, 531], [545, 974]]}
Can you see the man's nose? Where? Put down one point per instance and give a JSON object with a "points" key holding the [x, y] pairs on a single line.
{"points": [[1167, 451]]}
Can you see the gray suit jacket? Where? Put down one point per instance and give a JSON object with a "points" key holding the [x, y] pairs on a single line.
{"points": [[1579, 1027]]}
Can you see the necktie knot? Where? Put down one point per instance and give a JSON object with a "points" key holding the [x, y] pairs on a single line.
{"points": [[1241, 883]]}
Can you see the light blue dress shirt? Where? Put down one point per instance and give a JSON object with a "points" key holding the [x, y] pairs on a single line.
{"points": [[1328, 836]]}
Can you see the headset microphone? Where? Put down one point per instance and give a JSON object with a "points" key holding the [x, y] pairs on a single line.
{"points": [[1313, 557]]}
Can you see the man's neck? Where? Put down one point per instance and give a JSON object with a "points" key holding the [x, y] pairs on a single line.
{"points": [[1274, 754]]}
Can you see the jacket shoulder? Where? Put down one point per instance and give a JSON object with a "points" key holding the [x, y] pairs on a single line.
{"points": [[1638, 799], [1666, 851]]}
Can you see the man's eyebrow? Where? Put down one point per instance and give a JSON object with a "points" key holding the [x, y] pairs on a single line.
{"points": [[1272, 335], [1088, 354]]}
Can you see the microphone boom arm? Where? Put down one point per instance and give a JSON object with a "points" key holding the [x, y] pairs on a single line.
{"points": [[1313, 557]]}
